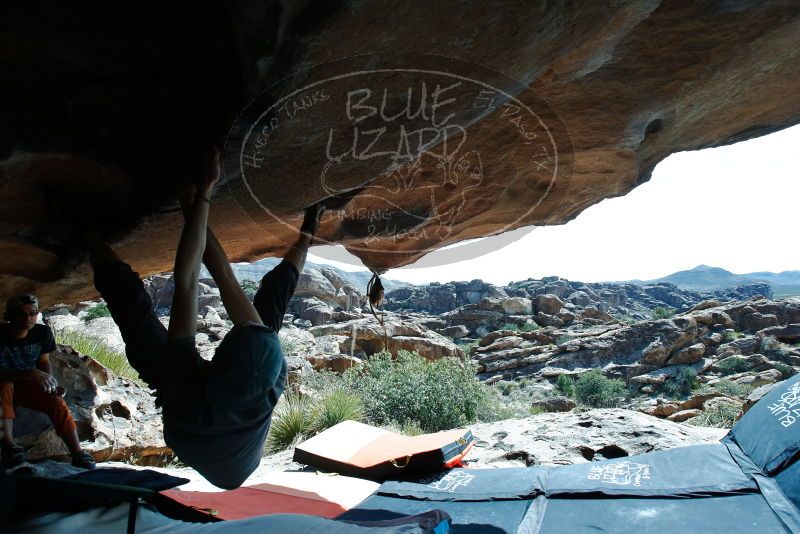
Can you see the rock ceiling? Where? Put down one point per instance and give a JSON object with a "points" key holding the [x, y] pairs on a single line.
{"points": [[422, 124]]}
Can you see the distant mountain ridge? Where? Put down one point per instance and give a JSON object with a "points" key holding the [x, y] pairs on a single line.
{"points": [[700, 278], [256, 270], [708, 278]]}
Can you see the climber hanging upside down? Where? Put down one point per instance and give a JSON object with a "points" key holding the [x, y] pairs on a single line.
{"points": [[216, 413]]}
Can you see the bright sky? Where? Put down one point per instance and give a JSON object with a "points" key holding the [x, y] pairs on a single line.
{"points": [[734, 207]]}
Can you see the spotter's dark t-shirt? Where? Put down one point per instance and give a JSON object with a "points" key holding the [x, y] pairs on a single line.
{"points": [[21, 354]]}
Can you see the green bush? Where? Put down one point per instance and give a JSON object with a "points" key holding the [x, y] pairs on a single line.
{"points": [[437, 395], [97, 349], [565, 385], [413, 395], [560, 340], [406, 430], [627, 319], [594, 389], [336, 406], [683, 384], [732, 365], [662, 312], [506, 388], [292, 421], [786, 370], [721, 415], [731, 335], [98, 310], [733, 389], [287, 345], [250, 287], [410, 429], [468, 346]]}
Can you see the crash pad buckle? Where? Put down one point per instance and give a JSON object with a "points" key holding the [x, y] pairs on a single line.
{"points": [[394, 462]]}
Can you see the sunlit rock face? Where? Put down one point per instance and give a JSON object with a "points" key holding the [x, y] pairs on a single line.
{"points": [[525, 114]]}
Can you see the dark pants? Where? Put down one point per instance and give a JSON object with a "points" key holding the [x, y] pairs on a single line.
{"points": [[144, 335]]}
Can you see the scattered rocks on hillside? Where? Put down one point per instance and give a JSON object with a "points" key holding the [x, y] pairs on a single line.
{"points": [[653, 351], [439, 298], [328, 287], [557, 302], [367, 336]]}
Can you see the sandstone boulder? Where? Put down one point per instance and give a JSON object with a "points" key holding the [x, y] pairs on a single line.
{"points": [[683, 415], [568, 438], [756, 395], [547, 303], [338, 363], [591, 312], [659, 376], [429, 347], [688, 354], [317, 314], [161, 288], [370, 337], [579, 298], [491, 337], [475, 318], [501, 344], [555, 404], [770, 376], [654, 354], [713, 317], [312, 283], [507, 305], [788, 333], [543, 319], [757, 321], [705, 304], [456, 331], [662, 409], [60, 321]]}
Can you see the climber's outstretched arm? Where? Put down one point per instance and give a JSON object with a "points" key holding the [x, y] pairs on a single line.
{"points": [[183, 318], [299, 250], [239, 308]]}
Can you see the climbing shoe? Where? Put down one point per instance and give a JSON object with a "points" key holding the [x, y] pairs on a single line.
{"points": [[83, 460]]}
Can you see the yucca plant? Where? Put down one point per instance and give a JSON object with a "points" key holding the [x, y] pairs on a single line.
{"points": [[336, 406], [291, 422], [95, 348]]}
